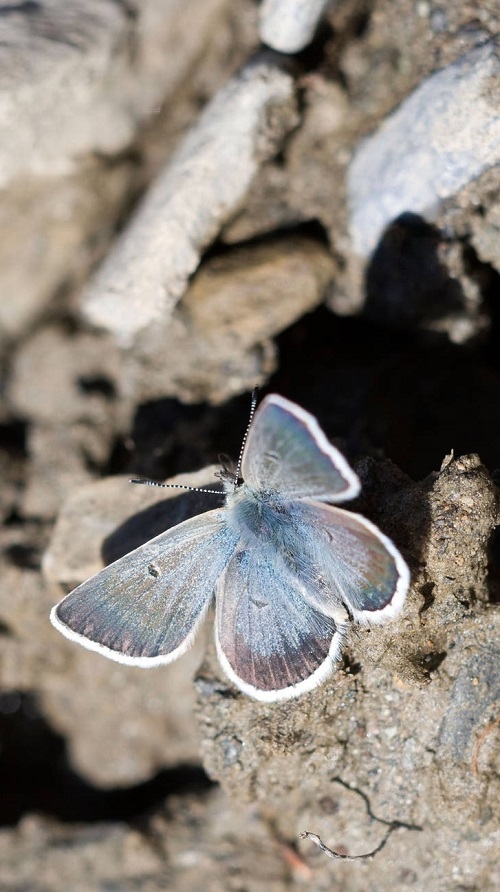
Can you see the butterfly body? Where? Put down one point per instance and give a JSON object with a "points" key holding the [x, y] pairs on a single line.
{"points": [[287, 570]]}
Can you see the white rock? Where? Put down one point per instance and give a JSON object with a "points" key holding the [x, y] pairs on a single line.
{"points": [[442, 137], [52, 68], [67, 84], [78, 83], [289, 25], [196, 194]]}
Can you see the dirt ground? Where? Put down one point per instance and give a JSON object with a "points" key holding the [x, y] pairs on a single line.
{"points": [[186, 214]]}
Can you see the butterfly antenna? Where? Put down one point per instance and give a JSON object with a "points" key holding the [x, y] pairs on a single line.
{"points": [[215, 492], [253, 405], [235, 477]]}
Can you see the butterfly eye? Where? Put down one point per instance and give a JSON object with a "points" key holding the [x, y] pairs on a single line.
{"points": [[228, 473]]}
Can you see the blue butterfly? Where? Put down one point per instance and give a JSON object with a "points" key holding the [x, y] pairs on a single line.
{"points": [[289, 572]]}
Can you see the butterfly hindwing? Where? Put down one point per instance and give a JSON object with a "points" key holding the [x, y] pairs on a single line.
{"points": [[146, 607], [355, 564], [272, 643]]}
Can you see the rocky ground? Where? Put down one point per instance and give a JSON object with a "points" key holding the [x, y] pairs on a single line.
{"points": [[187, 213]]}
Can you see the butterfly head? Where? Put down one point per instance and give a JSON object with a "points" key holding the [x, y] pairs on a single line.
{"points": [[228, 474]]}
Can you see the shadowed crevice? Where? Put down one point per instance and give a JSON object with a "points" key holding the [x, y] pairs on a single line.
{"points": [[36, 776]]}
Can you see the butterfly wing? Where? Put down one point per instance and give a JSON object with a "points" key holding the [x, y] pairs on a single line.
{"points": [[146, 607], [286, 451], [345, 559], [272, 643]]}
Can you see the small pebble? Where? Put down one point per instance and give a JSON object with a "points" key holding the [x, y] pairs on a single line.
{"points": [[289, 25]]}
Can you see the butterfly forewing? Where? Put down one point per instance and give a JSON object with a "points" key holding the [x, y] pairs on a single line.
{"points": [[145, 608], [272, 643], [287, 452]]}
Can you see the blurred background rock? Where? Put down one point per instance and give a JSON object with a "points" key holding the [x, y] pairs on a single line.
{"points": [[198, 197]]}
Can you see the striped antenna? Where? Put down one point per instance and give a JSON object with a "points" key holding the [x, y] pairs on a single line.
{"points": [[253, 405], [146, 482], [235, 477]]}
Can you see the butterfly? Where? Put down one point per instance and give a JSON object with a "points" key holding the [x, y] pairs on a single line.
{"points": [[288, 570]]}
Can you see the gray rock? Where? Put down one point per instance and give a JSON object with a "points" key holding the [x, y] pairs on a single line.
{"points": [[443, 136], [143, 277], [67, 387], [289, 25]]}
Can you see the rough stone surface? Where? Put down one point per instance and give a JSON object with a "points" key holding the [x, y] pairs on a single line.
{"points": [[404, 723], [73, 416], [202, 186]]}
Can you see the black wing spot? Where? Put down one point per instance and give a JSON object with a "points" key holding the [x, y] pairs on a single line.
{"points": [[154, 571]]}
